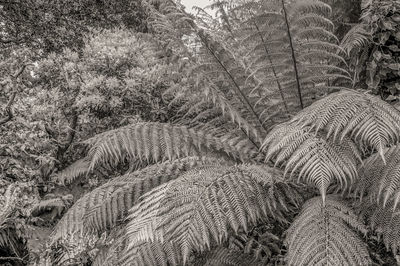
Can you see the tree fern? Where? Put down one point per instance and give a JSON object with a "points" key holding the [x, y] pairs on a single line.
{"points": [[326, 235], [363, 117], [201, 206], [183, 208], [312, 157]]}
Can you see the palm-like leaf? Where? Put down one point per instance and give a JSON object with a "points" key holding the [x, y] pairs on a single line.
{"points": [[326, 235]]}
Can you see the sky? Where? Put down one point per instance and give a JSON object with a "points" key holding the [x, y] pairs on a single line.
{"points": [[190, 3]]}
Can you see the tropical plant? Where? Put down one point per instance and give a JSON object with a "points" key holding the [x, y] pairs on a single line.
{"points": [[208, 189], [233, 140]]}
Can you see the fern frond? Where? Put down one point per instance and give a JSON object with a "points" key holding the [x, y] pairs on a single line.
{"points": [[151, 253], [314, 6], [136, 184], [364, 117], [385, 221], [297, 54], [326, 235], [223, 256], [115, 207], [200, 207], [234, 73], [381, 180], [313, 158], [73, 171], [357, 38], [155, 142], [262, 243]]}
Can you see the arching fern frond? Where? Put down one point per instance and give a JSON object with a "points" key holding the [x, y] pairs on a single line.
{"points": [[365, 118], [201, 207], [380, 180], [155, 142], [138, 183], [115, 207], [326, 235], [312, 157]]}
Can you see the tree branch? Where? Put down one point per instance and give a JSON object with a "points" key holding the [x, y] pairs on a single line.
{"points": [[10, 102], [70, 137], [12, 258]]}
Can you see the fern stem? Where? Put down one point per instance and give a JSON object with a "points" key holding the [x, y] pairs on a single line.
{"points": [[296, 73], [272, 67], [237, 90]]}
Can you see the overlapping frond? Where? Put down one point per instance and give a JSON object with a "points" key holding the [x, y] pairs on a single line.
{"points": [[380, 180], [365, 118], [223, 69], [115, 207], [385, 221], [217, 70], [133, 184], [225, 257], [152, 253], [263, 242], [204, 205], [326, 235], [155, 142], [312, 157], [295, 57]]}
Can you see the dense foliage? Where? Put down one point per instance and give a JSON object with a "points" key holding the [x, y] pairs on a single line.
{"points": [[135, 133]]}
